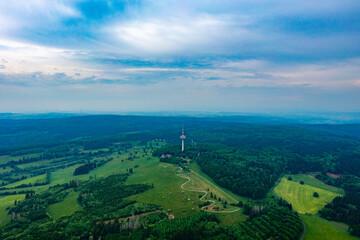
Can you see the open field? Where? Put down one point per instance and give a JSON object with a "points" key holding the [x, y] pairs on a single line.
{"points": [[66, 207], [312, 181], [5, 202], [319, 229], [61, 176], [35, 164], [219, 191], [201, 182], [5, 169], [6, 158], [301, 196], [167, 190], [40, 178]]}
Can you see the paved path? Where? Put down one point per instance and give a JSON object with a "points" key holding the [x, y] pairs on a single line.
{"points": [[212, 202]]}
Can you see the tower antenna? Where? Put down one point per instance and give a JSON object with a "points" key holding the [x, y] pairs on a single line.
{"points": [[182, 137]]}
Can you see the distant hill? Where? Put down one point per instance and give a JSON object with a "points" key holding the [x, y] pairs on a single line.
{"points": [[54, 127], [352, 130]]}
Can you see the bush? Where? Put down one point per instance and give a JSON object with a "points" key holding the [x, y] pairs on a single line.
{"points": [[289, 178], [316, 194], [302, 182]]}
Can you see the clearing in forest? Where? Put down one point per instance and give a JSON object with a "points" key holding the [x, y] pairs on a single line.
{"points": [[301, 196], [5, 202], [320, 229], [66, 207]]}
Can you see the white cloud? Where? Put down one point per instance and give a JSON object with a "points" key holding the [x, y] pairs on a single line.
{"points": [[184, 35], [33, 13]]}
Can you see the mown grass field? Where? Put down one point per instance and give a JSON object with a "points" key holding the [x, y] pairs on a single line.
{"points": [[166, 192], [66, 207], [216, 189], [204, 182], [301, 196], [8, 201], [6, 158], [312, 181], [40, 178], [319, 229], [35, 164]]}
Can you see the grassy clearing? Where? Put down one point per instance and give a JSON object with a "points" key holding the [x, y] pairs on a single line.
{"points": [[66, 207], [8, 201], [216, 189], [301, 196], [312, 181], [33, 180], [61, 176], [6, 158], [203, 182], [35, 164], [5, 169], [319, 229], [166, 192]]}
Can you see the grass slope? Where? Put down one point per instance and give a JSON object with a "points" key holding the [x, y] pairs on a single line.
{"points": [[301, 196], [166, 192], [312, 181], [8, 201], [319, 229], [33, 180], [66, 207]]}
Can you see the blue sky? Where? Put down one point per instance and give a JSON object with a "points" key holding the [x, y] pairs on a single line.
{"points": [[235, 56]]}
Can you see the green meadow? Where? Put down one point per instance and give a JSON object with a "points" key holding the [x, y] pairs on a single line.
{"points": [[32, 180], [301, 196], [65, 208], [312, 181], [5, 202], [320, 229], [7, 158], [167, 191]]}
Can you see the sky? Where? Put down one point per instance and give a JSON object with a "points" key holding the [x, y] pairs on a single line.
{"points": [[163, 55]]}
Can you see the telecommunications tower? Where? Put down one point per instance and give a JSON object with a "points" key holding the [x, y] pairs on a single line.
{"points": [[182, 137]]}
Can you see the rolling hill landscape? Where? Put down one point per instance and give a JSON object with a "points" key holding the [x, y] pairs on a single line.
{"points": [[232, 181], [179, 120]]}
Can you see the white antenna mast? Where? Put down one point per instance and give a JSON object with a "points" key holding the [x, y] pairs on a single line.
{"points": [[182, 137]]}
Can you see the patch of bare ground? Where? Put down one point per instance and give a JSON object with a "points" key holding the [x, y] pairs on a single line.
{"points": [[125, 218], [333, 175]]}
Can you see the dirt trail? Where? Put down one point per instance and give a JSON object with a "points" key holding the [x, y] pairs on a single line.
{"points": [[183, 175]]}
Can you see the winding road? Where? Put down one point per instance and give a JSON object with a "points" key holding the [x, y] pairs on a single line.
{"points": [[212, 202]]}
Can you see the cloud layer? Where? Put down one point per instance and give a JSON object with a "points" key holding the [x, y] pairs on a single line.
{"points": [[179, 55]]}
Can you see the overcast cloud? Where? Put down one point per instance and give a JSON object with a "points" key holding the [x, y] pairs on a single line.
{"points": [[62, 55]]}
